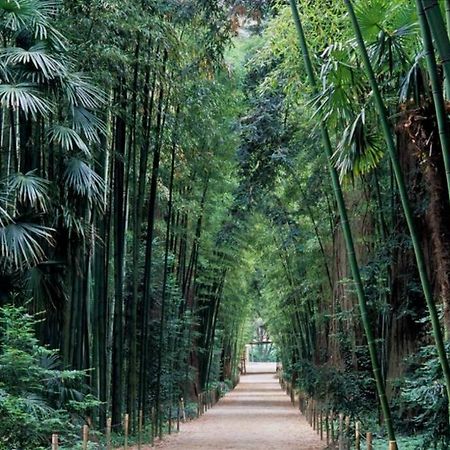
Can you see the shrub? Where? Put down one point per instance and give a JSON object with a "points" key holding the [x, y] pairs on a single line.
{"points": [[37, 397]]}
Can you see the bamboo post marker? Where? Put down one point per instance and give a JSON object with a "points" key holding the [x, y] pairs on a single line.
{"points": [[183, 412], [85, 436], [108, 433], [358, 435], [125, 429], [54, 441], [341, 429], [347, 431], [369, 439]]}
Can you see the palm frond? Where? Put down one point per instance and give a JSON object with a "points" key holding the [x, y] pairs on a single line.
{"points": [[68, 138], [5, 217], [25, 97], [30, 189], [342, 85], [359, 150], [80, 92], [84, 181], [88, 124], [33, 15], [414, 85], [37, 56], [20, 244]]}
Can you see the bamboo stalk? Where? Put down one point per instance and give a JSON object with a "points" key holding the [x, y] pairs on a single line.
{"points": [[403, 194], [152, 434], [347, 431], [160, 422], [332, 426], [438, 29], [321, 423], [438, 97], [140, 423], [314, 414], [348, 236], [170, 419]]}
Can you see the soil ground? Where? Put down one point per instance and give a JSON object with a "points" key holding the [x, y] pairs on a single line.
{"points": [[256, 415]]}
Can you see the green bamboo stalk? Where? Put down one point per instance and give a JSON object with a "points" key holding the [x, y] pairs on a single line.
{"points": [[447, 15], [439, 104], [439, 32], [347, 237], [383, 117]]}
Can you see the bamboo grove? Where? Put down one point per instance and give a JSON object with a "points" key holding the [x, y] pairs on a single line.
{"points": [[116, 147], [175, 172]]}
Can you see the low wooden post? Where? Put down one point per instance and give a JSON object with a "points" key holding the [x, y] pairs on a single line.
{"points": [[358, 435], [140, 423], [392, 445], [54, 441], [85, 436], [126, 423], [108, 433], [341, 431], [183, 412], [369, 439]]}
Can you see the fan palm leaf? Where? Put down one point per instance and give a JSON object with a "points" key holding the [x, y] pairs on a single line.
{"points": [[68, 138], [341, 85], [80, 92], [84, 181], [37, 56], [30, 189], [359, 150], [86, 123], [20, 244], [24, 96]]}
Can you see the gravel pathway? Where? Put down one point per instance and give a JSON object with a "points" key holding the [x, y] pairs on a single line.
{"points": [[256, 415]]}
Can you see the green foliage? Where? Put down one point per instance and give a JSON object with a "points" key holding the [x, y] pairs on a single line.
{"points": [[422, 394], [37, 397]]}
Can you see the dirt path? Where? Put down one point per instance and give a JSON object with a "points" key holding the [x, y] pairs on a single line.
{"points": [[256, 415]]}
